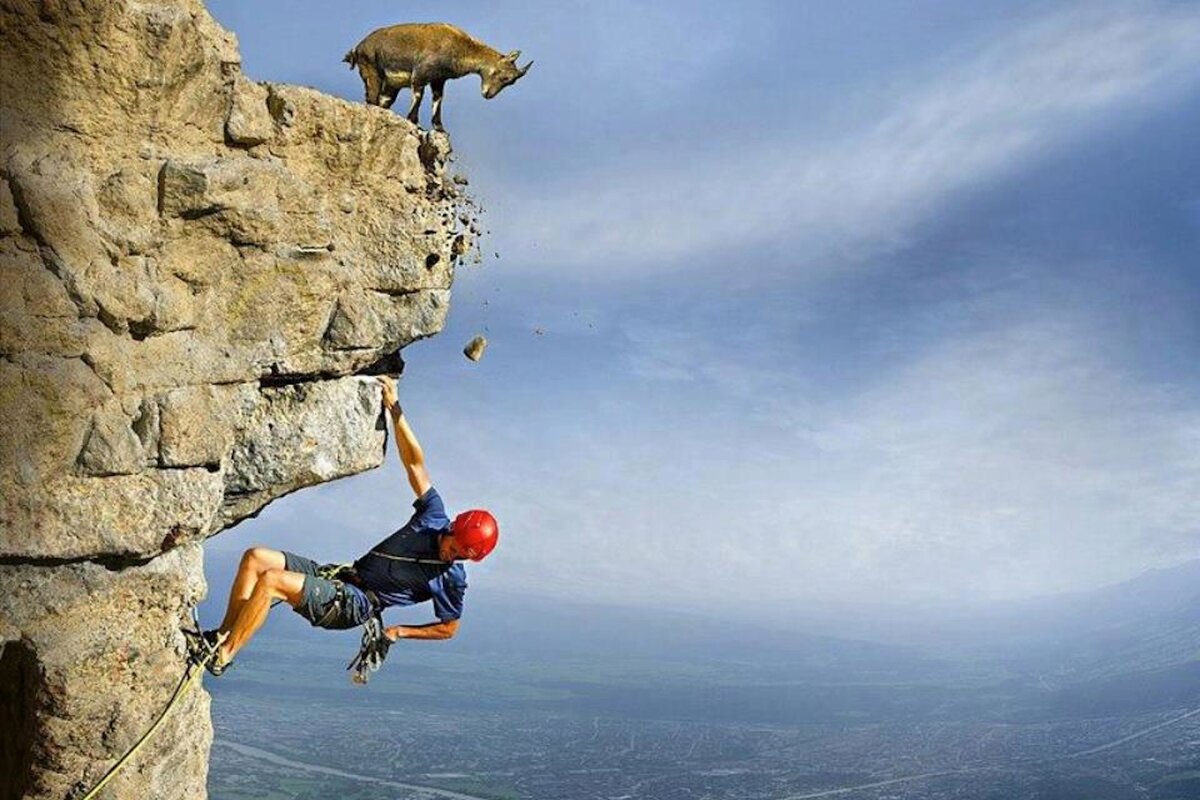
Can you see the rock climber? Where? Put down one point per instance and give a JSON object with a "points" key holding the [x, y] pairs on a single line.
{"points": [[419, 562]]}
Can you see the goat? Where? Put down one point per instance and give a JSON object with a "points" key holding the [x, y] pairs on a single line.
{"points": [[414, 55]]}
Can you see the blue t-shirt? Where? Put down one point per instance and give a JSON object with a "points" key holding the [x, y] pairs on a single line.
{"points": [[405, 568]]}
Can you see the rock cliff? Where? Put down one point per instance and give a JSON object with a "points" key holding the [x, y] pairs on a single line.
{"points": [[194, 268]]}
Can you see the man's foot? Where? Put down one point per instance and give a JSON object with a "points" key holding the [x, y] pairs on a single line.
{"points": [[216, 666], [204, 648]]}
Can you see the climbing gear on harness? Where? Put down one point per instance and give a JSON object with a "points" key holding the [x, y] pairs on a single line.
{"points": [[333, 613], [186, 681], [476, 533], [372, 652]]}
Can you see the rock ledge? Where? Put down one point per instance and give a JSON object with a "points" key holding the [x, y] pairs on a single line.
{"points": [[196, 269]]}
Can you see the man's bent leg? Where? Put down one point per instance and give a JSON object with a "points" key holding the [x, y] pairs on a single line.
{"points": [[272, 584], [254, 563]]}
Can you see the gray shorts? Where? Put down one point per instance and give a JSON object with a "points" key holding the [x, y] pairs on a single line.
{"points": [[325, 602]]}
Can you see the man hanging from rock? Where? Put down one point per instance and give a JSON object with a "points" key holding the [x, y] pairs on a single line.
{"points": [[419, 562]]}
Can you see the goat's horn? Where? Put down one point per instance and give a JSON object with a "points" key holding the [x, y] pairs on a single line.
{"points": [[524, 69]]}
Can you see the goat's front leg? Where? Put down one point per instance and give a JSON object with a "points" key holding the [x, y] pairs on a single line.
{"points": [[438, 88], [414, 110], [372, 83]]}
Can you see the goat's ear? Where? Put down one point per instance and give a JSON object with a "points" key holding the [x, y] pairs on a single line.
{"points": [[513, 56]]}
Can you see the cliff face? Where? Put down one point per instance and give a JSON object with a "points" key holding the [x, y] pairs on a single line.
{"points": [[193, 267]]}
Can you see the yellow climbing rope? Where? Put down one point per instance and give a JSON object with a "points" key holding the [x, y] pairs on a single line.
{"points": [[192, 672]]}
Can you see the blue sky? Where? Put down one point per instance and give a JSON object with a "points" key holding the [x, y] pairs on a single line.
{"points": [[802, 304]]}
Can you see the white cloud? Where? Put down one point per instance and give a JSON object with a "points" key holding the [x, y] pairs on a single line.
{"points": [[1007, 458], [1013, 461], [990, 114]]}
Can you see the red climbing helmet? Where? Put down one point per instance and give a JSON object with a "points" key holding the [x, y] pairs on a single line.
{"points": [[476, 533]]}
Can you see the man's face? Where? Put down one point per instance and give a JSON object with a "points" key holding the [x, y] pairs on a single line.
{"points": [[448, 548]]}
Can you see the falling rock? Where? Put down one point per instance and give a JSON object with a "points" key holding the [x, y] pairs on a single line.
{"points": [[475, 347]]}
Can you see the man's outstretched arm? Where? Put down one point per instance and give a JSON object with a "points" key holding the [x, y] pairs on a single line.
{"points": [[411, 455], [434, 630]]}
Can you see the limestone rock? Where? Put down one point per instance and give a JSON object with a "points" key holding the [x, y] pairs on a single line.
{"points": [[83, 676], [249, 121], [282, 446], [194, 268], [195, 426], [111, 446], [8, 210]]}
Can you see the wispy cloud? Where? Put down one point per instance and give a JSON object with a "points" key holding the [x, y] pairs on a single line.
{"points": [[1015, 461], [867, 189], [981, 422], [1014, 454]]}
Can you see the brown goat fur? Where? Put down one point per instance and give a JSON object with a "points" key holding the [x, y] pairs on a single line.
{"points": [[415, 55]]}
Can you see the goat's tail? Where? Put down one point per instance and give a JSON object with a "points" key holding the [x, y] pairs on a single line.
{"points": [[351, 58]]}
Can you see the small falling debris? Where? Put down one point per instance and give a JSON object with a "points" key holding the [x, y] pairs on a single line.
{"points": [[475, 347], [538, 331]]}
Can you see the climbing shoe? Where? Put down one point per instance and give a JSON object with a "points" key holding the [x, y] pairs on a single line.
{"points": [[217, 668], [203, 649]]}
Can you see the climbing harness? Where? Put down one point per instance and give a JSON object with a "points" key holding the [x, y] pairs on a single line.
{"points": [[194, 669], [333, 571], [326, 571], [371, 652], [375, 643]]}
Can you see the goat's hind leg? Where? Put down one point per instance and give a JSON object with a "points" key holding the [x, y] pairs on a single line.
{"points": [[438, 88]]}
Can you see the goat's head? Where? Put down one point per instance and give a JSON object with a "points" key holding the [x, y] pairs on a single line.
{"points": [[503, 72]]}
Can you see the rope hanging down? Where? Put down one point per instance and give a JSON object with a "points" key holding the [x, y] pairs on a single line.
{"points": [[371, 654], [193, 671]]}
